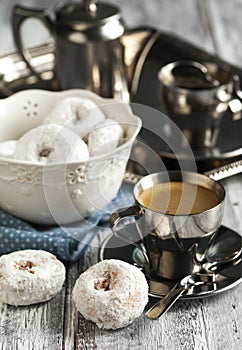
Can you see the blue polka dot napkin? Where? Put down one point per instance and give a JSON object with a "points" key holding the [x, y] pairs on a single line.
{"points": [[67, 243]]}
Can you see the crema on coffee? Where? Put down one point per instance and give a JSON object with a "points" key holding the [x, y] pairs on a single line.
{"points": [[178, 198]]}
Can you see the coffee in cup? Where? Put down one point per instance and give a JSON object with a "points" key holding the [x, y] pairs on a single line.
{"points": [[174, 198], [177, 214]]}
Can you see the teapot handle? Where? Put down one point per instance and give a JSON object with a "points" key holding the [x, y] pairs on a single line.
{"points": [[19, 15]]}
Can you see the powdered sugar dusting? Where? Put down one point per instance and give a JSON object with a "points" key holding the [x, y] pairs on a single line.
{"points": [[78, 114], [51, 143], [111, 293], [3, 307], [104, 137], [29, 277]]}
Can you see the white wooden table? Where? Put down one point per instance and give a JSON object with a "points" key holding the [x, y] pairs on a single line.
{"points": [[211, 323]]}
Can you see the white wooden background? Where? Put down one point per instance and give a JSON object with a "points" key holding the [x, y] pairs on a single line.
{"points": [[213, 323]]}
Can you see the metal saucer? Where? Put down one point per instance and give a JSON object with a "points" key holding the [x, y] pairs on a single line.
{"points": [[113, 248]]}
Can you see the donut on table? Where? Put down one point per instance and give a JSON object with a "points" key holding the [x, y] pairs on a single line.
{"points": [[29, 277], [111, 293], [78, 114], [105, 137], [51, 143]]}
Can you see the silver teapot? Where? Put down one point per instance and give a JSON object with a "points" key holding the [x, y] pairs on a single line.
{"points": [[93, 49]]}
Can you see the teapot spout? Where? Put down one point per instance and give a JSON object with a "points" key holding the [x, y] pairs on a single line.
{"points": [[137, 44]]}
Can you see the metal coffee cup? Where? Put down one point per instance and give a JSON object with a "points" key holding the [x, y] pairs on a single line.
{"points": [[196, 97], [174, 244]]}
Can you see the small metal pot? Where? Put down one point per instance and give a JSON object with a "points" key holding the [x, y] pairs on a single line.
{"points": [[196, 97]]}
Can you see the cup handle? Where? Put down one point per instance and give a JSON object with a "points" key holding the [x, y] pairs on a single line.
{"points": [[121, 214], [235, 104], [19, 15]]}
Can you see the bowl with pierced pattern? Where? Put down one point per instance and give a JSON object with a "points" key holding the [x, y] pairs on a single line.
{"points": [[64, 192]]}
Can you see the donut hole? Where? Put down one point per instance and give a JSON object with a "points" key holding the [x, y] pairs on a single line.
{"points": [[77, 114], [25, 266], [45, 152], [106, 281]]}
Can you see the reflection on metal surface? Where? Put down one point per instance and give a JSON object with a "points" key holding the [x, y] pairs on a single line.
{"points": [[197, 97], [135, 42], [170, 239], [216, 174], [225, 171], [225, 280], [16, 76], [140, 62], [85, 36], [13, 69]]}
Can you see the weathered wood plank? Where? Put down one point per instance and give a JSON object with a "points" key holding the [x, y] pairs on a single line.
{"points": [[225, 21], [70, 313], [196, 324], [222, 317], [85, 330], [183, 18], [33, 327]]}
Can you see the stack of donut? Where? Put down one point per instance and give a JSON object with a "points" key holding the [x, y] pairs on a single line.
{"points": [[74, 130]]}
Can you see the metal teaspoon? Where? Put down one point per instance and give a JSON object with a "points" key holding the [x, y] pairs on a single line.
{"points": [[219, 255]]}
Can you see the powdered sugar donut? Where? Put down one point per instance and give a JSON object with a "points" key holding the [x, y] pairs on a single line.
{"points": [[105, 137], [7, 148], [78, 114], [111, 293], [29, 277], [51, 144]]}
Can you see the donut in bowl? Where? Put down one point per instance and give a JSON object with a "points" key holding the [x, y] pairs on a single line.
{"points": [[78, 114], [51, 143]]}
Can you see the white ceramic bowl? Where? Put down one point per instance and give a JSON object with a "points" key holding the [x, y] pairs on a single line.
{"points": [[60, 193]]}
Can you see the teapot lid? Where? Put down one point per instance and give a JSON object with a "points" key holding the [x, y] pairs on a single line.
{"points": [[89, 16]]}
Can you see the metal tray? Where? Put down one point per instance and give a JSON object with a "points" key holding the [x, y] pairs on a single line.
{"points": [[15, 76], [168, 48]]}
